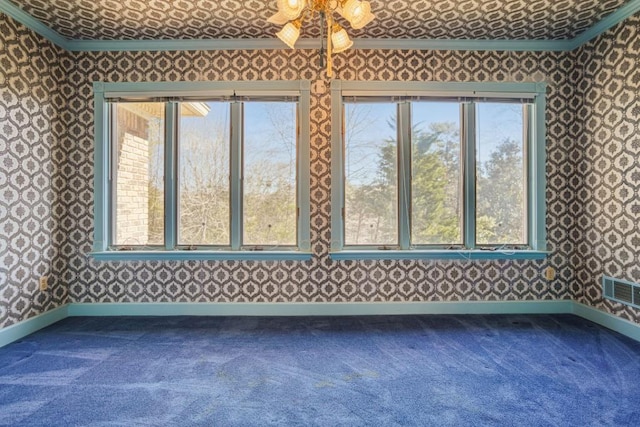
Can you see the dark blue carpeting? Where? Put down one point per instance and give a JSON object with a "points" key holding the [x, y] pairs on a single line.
{"points": [[322, 371]]}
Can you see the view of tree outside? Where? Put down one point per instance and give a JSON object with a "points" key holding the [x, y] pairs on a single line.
{"points": [[436, 198], [203, 162], [371, 174], [156, 178], [269, 192], [371, 177], [501, 183]]}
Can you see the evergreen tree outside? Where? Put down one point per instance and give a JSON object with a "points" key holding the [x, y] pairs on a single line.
{"points": [[500, 174], [436, 188], [500, 195]]}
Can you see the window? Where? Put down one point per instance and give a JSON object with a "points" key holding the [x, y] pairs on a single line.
{"points": [[202, 170], [453, 170]]}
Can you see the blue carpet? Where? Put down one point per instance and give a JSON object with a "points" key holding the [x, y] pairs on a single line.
{"points": [[516, 370]]}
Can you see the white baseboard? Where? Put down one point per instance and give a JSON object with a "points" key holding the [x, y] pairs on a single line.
{"points": [[15, 332]]}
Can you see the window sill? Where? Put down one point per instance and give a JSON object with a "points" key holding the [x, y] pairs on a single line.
{"points": [[477, 254], [160, 255]]}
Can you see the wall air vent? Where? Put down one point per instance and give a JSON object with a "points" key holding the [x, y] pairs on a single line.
{"points": [[621, 291]]}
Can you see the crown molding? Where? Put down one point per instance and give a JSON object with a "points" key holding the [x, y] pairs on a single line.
{"points": [[463, 44], [606, 23], [76, 45], [274, 43], [183, 44], [32, 23]]}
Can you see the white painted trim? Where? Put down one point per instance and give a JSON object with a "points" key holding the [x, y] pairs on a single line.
{"points": [[615, 323], [319, 309], [27, 327]]}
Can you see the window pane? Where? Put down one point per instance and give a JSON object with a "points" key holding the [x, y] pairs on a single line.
{"points": [[436, 199], [203, 173], [139, 174], [501, 194], [269, 192], [371, 177]]}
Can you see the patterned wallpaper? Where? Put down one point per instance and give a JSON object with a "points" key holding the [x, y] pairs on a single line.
{"points": [[426, 19], [609, 168], [31, 160], [320, 279], [47, 147]]}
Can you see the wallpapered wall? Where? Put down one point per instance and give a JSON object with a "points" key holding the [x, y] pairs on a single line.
{"points": [[68, 146], [320, 279], [609, 164], [30, 167]]}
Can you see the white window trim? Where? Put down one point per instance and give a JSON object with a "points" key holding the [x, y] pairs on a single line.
{"points": [[536, 181], [102, 215]]}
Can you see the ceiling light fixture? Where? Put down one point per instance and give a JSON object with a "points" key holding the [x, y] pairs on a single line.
{"points": [[293, 13]]}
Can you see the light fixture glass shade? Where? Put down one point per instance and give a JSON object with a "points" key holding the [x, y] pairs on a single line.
{"points": [[354, 9], [340, 40], [291, 9], [289, 34], [362, 20], [278, 18], [292, 13]]}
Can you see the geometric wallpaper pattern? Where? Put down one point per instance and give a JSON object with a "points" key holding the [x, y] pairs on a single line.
{"points": [[420, 19], [30, 158], [320, 279], [62, 126], [610, 163]]}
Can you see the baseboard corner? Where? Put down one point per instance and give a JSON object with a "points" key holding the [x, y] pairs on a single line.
{"points": [[26, 327], [615, 323]]}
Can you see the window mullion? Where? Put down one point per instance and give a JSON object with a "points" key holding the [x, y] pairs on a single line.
{"points": [[236, 171], [536, 173], [113, 173], [170, 172], [469, 173], [303, 176], [338, 175], [529, 219], [103, 178], [404, 175]]}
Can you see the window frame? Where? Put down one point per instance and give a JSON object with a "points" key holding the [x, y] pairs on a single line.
{"points": [[535, 161], [104, 92]]}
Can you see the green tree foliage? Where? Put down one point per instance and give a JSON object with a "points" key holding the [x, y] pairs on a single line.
{"points": [[500, 195], [372, 217], [435, 184], [436, 195], [435, 203], [370, 182]]}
